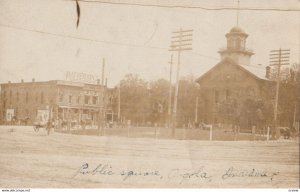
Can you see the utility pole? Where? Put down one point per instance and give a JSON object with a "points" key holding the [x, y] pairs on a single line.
{"points": [[119, 103], [170, 94], [181, 41], [278, 58], [102, 115]]}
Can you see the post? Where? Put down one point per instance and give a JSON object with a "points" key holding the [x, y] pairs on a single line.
{"points": [[127, 129], [196, 110], [253, 132], [277, 95], [268, 134], [210, 132], [119, 103]]}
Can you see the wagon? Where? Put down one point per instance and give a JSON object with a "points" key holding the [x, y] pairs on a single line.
{"points": [[38, 125]]}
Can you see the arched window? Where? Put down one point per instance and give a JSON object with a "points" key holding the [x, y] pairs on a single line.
{"points": [[230, 43], [238, 43]]}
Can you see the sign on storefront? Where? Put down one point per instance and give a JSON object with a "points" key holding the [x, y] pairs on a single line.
{"points": [[80, 77]]}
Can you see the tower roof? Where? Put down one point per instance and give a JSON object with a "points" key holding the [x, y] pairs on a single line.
{"points": [[237, 31]]}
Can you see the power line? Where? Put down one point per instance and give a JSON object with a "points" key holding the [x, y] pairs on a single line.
{"points": [[186, 7], [96, 40]]}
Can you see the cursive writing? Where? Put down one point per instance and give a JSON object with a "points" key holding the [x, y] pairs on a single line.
{"points": [[176, 175], [106, 169], [234, 172], [101, 169], [189, 174]]}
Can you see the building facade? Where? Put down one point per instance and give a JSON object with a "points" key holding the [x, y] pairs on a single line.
{"points": [[234, 91], [66, 101]]}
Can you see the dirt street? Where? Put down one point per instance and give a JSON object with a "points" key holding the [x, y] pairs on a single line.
{"points": [[33, 159]]}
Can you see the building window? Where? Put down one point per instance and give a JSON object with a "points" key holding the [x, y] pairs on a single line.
{"points": [[86, 99], [17, 97], [78, 99], [70, 99], [42, 97], [95, 100], [61, 97], [216, 96], [227, 94], [4, 94], [26, 97]]}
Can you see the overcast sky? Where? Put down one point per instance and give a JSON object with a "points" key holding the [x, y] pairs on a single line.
{"points": [[133, 39]]}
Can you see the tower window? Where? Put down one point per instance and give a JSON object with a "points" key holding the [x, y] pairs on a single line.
{"points": [[238, 43]]}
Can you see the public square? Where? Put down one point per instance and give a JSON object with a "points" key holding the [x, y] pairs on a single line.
{"points": [[32, 159]]}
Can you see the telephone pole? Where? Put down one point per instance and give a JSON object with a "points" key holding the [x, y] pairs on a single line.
{"points": [[278, 58], [170, 94], [102, 110], [181, 41]]}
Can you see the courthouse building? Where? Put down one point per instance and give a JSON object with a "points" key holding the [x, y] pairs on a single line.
{"points": [[66, 101], [234, 81]]}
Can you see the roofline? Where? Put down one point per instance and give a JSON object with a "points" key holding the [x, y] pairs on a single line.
{"points": [[57, 82], [232, 62]]}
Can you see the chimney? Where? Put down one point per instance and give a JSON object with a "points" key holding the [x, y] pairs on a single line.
{"points": [[268, 71], [33, 80], [22, 80], [98, 81], [9, 82]]}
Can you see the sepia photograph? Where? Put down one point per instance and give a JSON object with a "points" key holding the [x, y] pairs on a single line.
{"points": [[118, 94]]}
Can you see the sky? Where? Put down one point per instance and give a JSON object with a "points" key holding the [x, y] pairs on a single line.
{"points": [[39, 38]]}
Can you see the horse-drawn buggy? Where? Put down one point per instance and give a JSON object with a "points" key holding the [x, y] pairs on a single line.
{"points": [[39, 125], [43, 121]]}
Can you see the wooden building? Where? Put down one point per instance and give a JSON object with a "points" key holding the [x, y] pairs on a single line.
{"points": [[228, 88], [66, 101]]}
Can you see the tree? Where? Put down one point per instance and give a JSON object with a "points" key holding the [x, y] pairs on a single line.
{"points": [[188, 93], [134, 98], [289, 96], [159, 94]]}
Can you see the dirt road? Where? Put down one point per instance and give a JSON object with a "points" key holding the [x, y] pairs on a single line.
{"points": [[30, 159]]}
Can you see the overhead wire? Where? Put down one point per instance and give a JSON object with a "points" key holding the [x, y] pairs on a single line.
{"points": [[187, 6], [95, 40]]}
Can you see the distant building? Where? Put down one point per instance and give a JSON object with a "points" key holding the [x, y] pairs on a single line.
{"points": [[228, 87], [66, 101]]}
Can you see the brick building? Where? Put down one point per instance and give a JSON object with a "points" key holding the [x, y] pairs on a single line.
{"points": [[233, 83], [66, 101]]}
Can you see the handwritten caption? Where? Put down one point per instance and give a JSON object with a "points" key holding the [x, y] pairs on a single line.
{"points": [[180, 175]]}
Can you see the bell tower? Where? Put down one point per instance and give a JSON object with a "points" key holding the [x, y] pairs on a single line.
{"points": [[236, 47]]}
